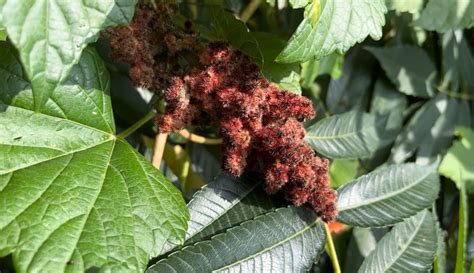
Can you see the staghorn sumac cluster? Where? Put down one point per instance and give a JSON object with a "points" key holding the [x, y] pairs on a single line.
{"points": [[152, 45], [260, 125]]}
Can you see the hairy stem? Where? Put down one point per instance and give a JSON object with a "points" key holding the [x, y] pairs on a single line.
{"points": [[130, 130], [332, 250]]}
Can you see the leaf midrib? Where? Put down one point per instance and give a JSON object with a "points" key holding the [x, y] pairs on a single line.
{"points": [[405, 246], [225, 211], [381, 198], [345, 135], [296, 234]]}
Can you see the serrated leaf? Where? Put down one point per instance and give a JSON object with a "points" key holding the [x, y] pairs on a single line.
{"points": [[445, 15], [388, 195], [440, 134], [73, 196], [457, 164], [334, 25], [222, 204], [409, 68], [411, 6], [409, 247], [350, 135], [50, 35], [289, 239], [349, 92], [421, 130], [458, 62]]}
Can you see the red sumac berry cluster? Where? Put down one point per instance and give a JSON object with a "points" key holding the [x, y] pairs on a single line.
{"points": [[260, 125]]}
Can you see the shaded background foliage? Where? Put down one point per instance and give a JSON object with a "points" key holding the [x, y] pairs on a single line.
{"points": [[395, 117]]}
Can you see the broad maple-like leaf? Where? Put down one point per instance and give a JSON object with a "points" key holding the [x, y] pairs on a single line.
{"points": [[73, 196]]}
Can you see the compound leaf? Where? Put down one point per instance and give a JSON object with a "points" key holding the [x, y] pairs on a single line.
{"points": [[289, 239]]}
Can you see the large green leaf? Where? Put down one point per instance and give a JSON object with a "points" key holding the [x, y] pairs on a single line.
{"points": [[409, 247], [334, 25], [50, 35], [445, 15], [457, 164], [287, 240], [387, 195], [409, 68], [222, 204], [349, 136], [73, 196]]}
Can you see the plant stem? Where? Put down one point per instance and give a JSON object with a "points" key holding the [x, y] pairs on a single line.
{"points": [[183, 176], [137, 125], [249, 10], [199, 139], [158, 149], [332, 250]]}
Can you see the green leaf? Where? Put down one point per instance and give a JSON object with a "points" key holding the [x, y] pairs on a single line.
{"points": [[224, 26], [458, 63], [74, 197], [3, 34], [365, 240], [222, 204], [349, 136], [331, 25], [445, 15], [331, 65], [285, 75], [440, 135], [409, 68], [457, 164], [387, 195], [409, 247], [342, 171], [424, 132], [411, 6], [387, 101], [349, 92], [289, 239], [50, 35]]}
